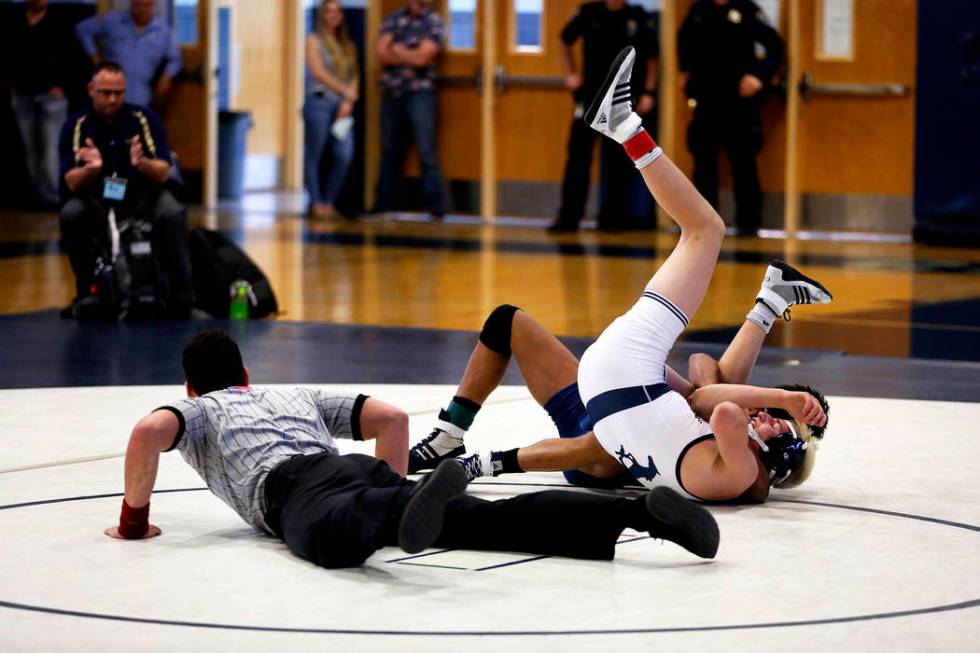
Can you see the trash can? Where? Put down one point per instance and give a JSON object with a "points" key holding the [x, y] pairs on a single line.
{"points": [[233, 129]]}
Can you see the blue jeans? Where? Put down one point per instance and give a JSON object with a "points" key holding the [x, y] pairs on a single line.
{"points": [[415, 112], [40, 118], [319, 114]]}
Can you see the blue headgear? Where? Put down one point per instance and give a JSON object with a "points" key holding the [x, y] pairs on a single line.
{"points": [[786, 455], [781, 455]]}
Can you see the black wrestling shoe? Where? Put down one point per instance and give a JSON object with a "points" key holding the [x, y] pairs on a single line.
{"points": [[421, 520], [683, 522], [611, 112], [477, 465], [445, 442], [785, 286]]}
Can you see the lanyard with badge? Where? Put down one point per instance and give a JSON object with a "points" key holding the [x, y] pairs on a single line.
{"points": [[114, 187]]}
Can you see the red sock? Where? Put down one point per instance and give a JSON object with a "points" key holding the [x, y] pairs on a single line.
{"points": [[642, 149]]}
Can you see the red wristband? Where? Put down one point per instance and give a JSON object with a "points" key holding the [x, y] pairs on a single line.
{"points": [[639, 145], [134, 522]]}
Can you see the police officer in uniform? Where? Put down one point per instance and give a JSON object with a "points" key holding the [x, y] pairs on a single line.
{"points": [[728, 54], [606, 27]]}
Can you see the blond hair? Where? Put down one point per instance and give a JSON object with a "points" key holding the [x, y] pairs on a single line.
{"points": [[805, 433], [338, 44]]}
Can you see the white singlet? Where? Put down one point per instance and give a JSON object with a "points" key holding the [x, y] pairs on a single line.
{"points": [[650, 439]]}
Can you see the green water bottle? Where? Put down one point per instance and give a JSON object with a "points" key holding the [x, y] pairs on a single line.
{"points": [[241, 292]]}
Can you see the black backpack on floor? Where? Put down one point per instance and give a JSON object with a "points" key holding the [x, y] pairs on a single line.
{"points": [[128, 282], [217, 264]]}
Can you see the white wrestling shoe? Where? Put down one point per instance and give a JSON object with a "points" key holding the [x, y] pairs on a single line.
{"points": [[785, 286], [611, 112]]}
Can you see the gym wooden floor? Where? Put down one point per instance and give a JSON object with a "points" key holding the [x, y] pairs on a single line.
{"points": [[891, 298]]}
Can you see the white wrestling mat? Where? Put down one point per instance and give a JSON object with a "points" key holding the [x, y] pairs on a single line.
{"points": [[879, 551]]}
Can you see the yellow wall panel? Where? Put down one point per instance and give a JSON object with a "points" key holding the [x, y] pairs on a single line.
{"points": [[259, 28]]}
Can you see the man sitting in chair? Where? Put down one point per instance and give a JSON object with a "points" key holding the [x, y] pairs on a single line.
{"points": [[115, 156]]}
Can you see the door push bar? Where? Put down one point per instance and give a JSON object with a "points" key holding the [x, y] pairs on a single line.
{"points": [[809, 88], [501, 80]]}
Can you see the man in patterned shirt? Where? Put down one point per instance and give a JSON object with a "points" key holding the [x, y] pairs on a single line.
{"points": [[408, 45], [271, 456]]}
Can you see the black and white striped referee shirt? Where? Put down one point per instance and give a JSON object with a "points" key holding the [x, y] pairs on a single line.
{"points": [[234, 437]]}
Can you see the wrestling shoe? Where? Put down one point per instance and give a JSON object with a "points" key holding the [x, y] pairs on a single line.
{"points": [[611, 112], [476, 465], [421, 520], [785, 286], [445, 442], [682, 522]]}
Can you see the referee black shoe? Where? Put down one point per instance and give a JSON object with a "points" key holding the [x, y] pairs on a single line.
{"points": [[421, 520], [682, 522]]}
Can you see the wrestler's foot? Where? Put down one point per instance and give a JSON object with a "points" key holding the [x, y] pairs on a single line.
{"points": [[421, 520], [445, 442], [785, 286], [477, 464], [683, 522], [611, 112]]}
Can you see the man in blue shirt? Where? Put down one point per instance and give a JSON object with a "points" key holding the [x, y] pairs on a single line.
{"points": [[141, 42], [115, 155]]}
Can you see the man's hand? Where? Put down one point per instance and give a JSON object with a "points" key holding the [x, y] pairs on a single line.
{"points": [[90, 155], [352, 94], [644, 104], [749, 85], [346, 109], [805, 408], [113, 532], [573, 81], [135, 152]]}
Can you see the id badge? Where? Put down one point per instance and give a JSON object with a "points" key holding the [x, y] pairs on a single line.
{"points": [[114, 188]]}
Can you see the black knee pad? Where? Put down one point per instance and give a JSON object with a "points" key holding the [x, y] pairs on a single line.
{"points": [[496, 330]]}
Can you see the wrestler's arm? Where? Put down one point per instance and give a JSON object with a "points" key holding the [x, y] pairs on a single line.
{"points": [[388, 426], [800, 405], [729, 423], [679, 384], [153, 434], [703, 370]]}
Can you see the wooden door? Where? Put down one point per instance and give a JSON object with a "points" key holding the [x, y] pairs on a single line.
{"points": [[856, 115], [533, 109]]}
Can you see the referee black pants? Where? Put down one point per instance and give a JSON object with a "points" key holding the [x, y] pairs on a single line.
{"points": [[336, 511]]}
